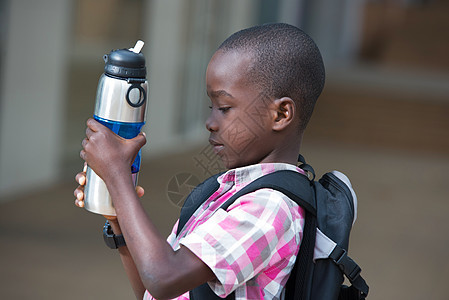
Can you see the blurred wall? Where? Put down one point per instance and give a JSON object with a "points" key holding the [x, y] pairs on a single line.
{"points": [[32, 93]]}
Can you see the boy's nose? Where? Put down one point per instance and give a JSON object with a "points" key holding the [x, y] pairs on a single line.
{"points": [[211, 124]]}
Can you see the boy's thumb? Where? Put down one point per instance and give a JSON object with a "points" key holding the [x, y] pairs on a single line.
{"points": [[141, 139]]}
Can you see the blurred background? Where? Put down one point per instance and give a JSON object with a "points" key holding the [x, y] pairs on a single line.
{"points": [[383, 119]]}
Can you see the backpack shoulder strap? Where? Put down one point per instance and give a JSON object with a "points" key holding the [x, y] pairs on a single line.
{"points": [[300, 189], [199, 194], [294, 185]]}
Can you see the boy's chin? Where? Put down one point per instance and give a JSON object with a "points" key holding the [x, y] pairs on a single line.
{"points": [[232, 163], [228, 162]]}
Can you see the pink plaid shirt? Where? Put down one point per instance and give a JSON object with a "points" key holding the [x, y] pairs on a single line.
{"points": [[251, 247]]}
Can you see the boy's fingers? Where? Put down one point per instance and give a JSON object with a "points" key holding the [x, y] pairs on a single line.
{"points": [[79, 203], [89, 133], [110, 218], [140, 191], [80, 196], [81, 178], [83, 154], [79, 193], [93, 125], [84, 143], [140, 139]]}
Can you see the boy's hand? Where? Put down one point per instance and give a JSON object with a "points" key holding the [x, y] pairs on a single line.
{"points": [[108, 154], [80, 178], [79, 191]]}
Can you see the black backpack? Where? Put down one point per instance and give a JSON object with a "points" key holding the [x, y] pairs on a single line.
{"points": [[322, 259]]}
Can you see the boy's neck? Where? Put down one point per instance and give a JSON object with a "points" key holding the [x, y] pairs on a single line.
{"points": [[287, 152]]}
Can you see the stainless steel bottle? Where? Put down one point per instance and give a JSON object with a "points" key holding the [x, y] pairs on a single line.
{"points": [[120, 105]]}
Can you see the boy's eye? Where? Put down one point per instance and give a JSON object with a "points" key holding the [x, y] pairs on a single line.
{"points": [[224, 109]]}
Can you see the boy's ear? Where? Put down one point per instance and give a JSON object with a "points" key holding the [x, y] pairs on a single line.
{"points": [[284, 113]]}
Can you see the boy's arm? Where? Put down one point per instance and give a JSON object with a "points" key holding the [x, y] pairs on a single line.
{"points": [[129, 265], [125, 256], [165, 273]]}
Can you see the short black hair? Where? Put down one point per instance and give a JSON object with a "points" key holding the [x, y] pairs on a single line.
{"points": [[286, 63]]}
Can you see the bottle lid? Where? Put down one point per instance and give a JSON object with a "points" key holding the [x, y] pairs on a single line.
{"points": [[125, 63]]}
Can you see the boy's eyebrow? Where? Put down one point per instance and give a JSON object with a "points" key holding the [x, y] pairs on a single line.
{"points": [[219, 93]]}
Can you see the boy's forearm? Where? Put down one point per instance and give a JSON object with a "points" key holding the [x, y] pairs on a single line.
{"points": [[129, 265], [148, 249], [132, 272], [164, 272]]}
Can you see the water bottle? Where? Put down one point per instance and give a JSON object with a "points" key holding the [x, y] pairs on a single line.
{"points": [[121, 106]]}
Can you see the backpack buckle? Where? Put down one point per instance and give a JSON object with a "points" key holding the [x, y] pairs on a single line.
{"points": [[346, 264]]}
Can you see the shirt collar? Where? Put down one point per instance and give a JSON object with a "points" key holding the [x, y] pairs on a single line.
{"points": [[244, 175]]}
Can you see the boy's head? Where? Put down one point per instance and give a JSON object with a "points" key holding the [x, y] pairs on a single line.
{"points": [[285, 63], [263, 83]]}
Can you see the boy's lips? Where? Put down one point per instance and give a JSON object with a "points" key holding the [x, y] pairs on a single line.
{"points": [[216, 146]]}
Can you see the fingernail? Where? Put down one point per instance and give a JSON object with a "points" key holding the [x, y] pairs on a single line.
{"points": [[85, 168], [79, 196], [82, 180]]}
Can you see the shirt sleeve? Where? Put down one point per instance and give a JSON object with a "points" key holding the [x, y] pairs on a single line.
{"points": [[259, 232]]}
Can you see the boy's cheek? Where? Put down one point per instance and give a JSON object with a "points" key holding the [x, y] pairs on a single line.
{"points": [[238, 136]]}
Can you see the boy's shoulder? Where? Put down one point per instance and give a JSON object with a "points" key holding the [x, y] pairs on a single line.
{"points": [[246, 174], [245, 180]]}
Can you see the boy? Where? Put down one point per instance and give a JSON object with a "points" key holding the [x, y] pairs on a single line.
{"points": [[263, 83]]}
